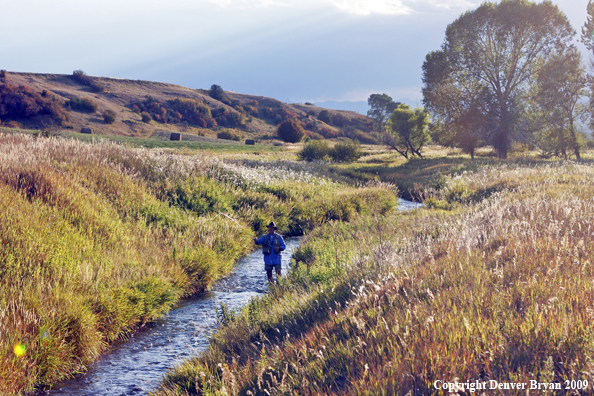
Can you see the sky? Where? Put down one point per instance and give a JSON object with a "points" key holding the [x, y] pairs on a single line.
{"points": [[292, 50]]}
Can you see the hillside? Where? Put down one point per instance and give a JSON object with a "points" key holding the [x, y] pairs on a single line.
{"points": [[173, 108]]}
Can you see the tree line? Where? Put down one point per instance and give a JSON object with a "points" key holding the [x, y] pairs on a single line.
{"points": [[506, 72]]}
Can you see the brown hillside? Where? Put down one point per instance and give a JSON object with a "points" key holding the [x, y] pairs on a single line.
{"points": [[260, 120]]}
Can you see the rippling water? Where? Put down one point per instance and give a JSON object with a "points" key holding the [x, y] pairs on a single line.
{"points": [[136, 366]]}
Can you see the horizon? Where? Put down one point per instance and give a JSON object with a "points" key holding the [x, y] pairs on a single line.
{"points": [[306, 51]]}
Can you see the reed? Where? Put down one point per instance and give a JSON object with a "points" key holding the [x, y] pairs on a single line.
{"points": [[497, 287], [98, 238]]}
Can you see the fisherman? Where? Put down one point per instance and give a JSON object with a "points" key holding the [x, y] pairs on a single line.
{"points": [[272, 246]]}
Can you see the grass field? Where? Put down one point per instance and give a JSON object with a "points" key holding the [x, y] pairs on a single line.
{"points": [[232, 147], [493, 281], [98, 238]]}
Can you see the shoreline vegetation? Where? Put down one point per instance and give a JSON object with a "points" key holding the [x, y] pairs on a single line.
{"points": [[99, 238], [491, 281]]}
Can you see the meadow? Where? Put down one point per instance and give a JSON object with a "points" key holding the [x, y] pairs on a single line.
{"points": [[493, 280], [99, 238]]}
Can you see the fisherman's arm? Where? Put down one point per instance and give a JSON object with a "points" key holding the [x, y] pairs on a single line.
{"points": [[259, 241], [282, 244]]}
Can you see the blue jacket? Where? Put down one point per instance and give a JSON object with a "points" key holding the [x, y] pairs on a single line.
{"points": [[272, 258]]}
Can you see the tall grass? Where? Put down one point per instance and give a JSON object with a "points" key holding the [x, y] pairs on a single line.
{"points": [[99, 238], [499, 288]]}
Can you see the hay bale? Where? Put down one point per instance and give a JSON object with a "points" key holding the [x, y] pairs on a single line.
{"points": [[86, 130], [251, 142], [175, 136]]}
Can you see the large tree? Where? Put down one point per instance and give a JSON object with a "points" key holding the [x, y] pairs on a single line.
{"points": [[381, 106], [407, 130], [489, 61], [588, 41], [556, 106]]}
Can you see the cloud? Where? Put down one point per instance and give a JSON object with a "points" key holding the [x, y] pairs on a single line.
{"points": [[249, 3], [368, 7], [357, 7]]}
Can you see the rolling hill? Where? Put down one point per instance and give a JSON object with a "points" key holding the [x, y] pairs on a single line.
{"points": [[172, 108]]}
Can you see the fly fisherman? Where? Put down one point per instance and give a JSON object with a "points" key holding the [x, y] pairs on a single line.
{"points": [[272, 246]]}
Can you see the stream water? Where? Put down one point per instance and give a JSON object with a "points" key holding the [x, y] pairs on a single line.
{"points": [[137, 365]]}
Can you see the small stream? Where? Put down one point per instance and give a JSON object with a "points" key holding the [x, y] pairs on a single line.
{"points": [[137, 365]]}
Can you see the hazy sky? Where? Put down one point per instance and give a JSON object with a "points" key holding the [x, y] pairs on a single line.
{"points": [[293, 50]]}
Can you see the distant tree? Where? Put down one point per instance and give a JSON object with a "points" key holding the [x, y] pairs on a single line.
{"points": [[588, 40], [407, 130], [490, 59], [339, 120], [556, 106], [146, 117], [588, 29], [216, 92], [381, 106], [109, 116], [290, 131], [325, 116]]}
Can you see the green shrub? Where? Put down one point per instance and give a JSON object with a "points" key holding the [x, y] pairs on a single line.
{"points": [[315, 150], [348, 151], [109, 116], [146, 117], [324, 116], [216, 92], [83, 105], [290, 131], [228, 134]]}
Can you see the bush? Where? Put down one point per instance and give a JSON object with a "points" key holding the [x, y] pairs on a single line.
{"points": [[228, 135], [192, 111], [176, 111], [82, 78], [315, 150], [324, 116], [17, 103], [349, 151], [109, 116], [228, 118], [83, 105], [339, 120], [3, 73], [216, 92], [290, 131], [146, 117]]}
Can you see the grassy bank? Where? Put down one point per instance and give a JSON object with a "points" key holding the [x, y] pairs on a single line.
{"points": [[154, 142], [99, 238], [493, 282]]}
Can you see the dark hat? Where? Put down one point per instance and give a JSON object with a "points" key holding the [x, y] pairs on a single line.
{"points": [[273, 225]]}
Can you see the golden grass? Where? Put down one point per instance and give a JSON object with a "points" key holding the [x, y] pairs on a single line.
{"points": [[500, 287], [96, 239]]}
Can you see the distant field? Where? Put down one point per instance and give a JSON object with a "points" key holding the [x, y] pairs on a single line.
{"points": [[157, 143]]}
